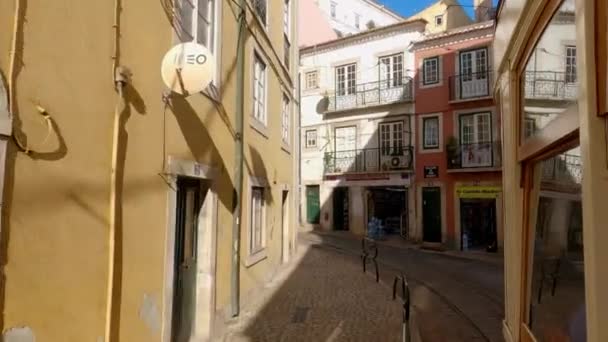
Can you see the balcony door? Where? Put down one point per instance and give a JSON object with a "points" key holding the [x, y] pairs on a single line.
{"points": [[345, 144], [474, 73], [476, 140], [393, 151]]}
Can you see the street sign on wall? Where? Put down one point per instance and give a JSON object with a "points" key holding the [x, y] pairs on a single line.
{"points": [[431, 171]]}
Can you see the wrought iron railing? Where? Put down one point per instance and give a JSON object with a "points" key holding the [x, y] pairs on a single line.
{"points": [[398, 158], [564, 169], [478, 155], [550, 85], [371, 94], [470, 85]]}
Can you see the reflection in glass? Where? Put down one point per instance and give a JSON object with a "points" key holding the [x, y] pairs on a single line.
{"points": [[549, 82], [557, 300]]}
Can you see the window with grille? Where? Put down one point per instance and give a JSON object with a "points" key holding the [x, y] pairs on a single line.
{"points": [[391, 70], [259, 91], [256, 230], [260, 7], [430, 70], [570, 64], [391, 138], [285, 120], [312, 80], [430, 129], [346, 79], [311, 138], [195, 21]]}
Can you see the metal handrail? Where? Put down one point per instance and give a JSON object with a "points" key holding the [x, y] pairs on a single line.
{"points": [[405, 298], [370, 94], [478, 85], [475, 155], [550, 84], [393, 158], [366, 250]]}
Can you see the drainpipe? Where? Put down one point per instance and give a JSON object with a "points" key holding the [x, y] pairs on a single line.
{"points": [[238, 163]]}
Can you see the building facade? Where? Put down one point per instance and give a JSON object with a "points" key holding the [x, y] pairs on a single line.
{"points": [[119, 197], [458, 153], [551, 64], [357, 130], [446, 14], [352, 16]]}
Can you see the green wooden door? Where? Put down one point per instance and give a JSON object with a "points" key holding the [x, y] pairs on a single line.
{"points": [[431, 214], [313, 204], [184, 284]]}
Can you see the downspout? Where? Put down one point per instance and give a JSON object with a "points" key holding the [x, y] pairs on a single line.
{"points": [[120, 77], [238, 163]]}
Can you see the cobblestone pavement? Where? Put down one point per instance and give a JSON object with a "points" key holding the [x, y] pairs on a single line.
{"points": [[454, 298], [323, 297]]}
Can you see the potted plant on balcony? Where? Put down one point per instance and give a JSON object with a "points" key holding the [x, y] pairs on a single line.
{"points": [[451, 148]]}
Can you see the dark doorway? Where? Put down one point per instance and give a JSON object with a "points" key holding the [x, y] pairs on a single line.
{"points": [[190, 193], [341, 209], [478, 224], [389, 204], [431, 214], [313, 204]]}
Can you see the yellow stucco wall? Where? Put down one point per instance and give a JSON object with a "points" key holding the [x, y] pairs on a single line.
{"points": [[453, 15], [56, 201]]}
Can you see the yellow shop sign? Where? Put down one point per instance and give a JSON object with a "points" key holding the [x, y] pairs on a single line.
{"points": [[478, 191]]}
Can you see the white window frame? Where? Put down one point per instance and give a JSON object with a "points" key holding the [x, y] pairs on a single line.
{"points": [[570, 69], [392, 137], [260, 84], [287, 18], [391, 70], [311, 75], [195, 22], [438, 20], [347, 86], [430, 135], [421, 137], [427, 69], [333, 10], [481, 128], [286, 121], [308, 139], [256, 250]]}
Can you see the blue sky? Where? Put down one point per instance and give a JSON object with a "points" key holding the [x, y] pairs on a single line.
{"points": [[408, 7]]}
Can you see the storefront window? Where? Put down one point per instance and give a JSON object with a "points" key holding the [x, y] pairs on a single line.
{"points": [[557, 289], [549, 83]]}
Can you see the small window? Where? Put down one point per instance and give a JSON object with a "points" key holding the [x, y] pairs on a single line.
{"points": [[357, 21], [256, 232], [430, 128], [570, 64], [311, 138], [259, 91], [286, 117], [438, 20], [261, 8], [332, 8], [430, 72], [312, 80]]}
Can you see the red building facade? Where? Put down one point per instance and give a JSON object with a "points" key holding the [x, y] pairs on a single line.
{"points": [[458, 150]]}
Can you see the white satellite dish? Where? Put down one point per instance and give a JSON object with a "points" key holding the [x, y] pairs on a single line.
{"points": [[188, 68]]}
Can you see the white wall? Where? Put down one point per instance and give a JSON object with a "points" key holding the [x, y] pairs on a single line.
{"points": [[366, 56], [345, 15]]}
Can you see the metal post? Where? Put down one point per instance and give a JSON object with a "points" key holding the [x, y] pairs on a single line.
{"points": [[405, 298], [238, 164]]}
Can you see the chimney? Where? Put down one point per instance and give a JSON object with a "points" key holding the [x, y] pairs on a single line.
{"points": [[483, 10]]}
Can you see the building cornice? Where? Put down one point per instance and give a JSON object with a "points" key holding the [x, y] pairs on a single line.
{"points": [[456, 36], [385, 31]]}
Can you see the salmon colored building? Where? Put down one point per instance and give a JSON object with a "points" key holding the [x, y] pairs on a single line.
{"points": [[458, 150]]}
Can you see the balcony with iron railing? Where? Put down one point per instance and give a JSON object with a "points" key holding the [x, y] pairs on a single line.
{"points": [[371, 94], [483, 155], [563, 170], [384, 159], [470, 86], [550, 85]]}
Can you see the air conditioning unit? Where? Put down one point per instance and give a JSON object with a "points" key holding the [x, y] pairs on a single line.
{"points": [[395, 162]]}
